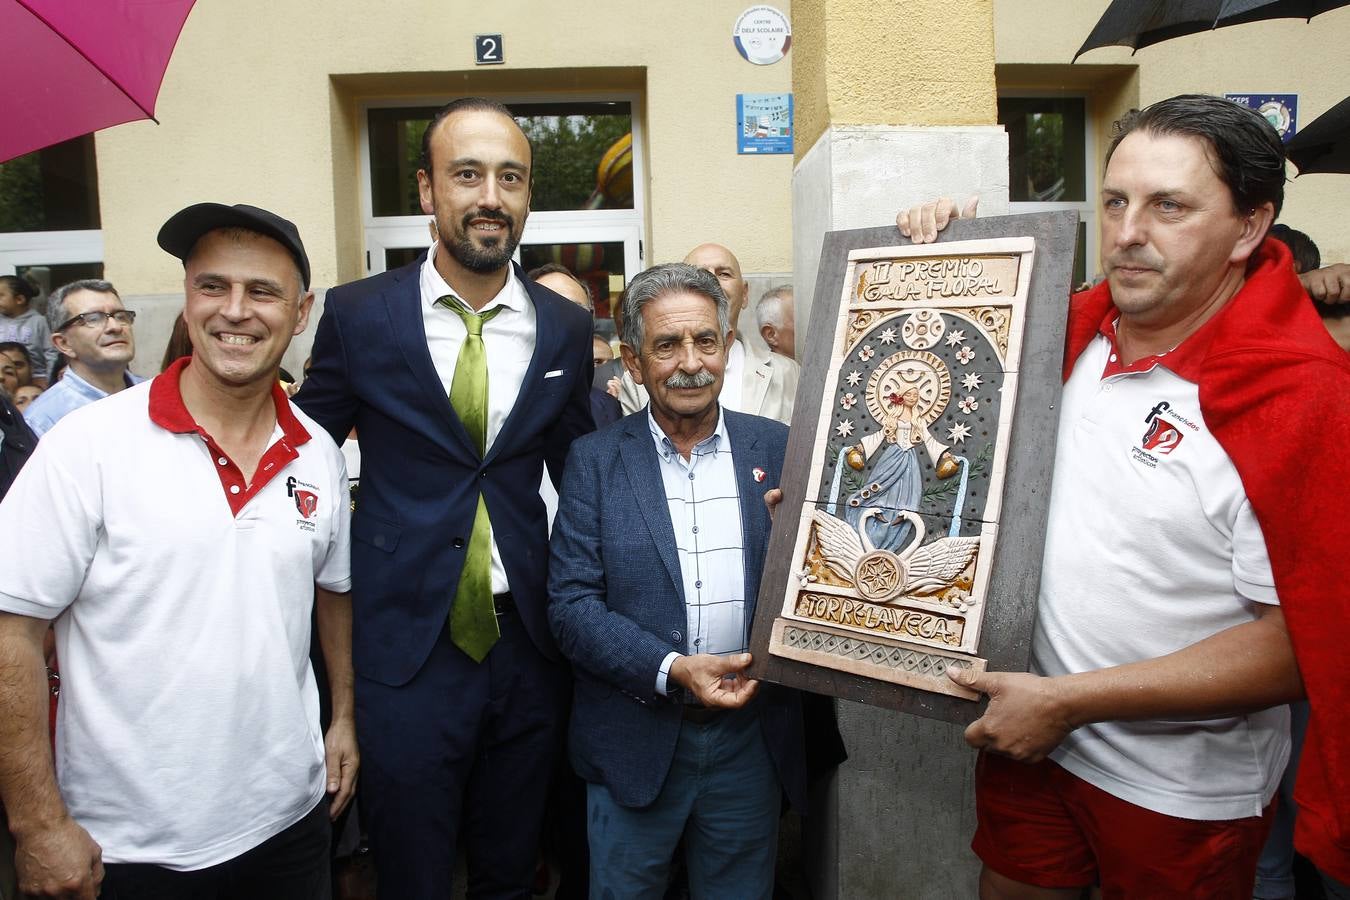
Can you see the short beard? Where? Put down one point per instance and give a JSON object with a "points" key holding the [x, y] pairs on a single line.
{"points": [[483, 260], [686, 381]]}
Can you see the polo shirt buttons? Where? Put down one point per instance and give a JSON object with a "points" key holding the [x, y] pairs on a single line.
{"points": [[458, 543], [223, 461], [234, 489]]}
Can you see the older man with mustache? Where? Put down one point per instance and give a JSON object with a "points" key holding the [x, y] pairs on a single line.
{"points": [[755, 383], [658, 549]]}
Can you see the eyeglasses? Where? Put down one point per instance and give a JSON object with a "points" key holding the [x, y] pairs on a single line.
{"points": [[99, 319]]}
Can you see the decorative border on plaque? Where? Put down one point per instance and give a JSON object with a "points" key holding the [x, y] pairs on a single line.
{"points": [[895, 544], [899, 664]]}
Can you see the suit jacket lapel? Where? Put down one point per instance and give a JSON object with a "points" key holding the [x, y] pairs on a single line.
{"points": [[644, 476], [754, 381], [746, 456], [404, 302], [546, 338]]}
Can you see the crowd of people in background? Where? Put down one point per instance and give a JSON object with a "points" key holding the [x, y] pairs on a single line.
{"points": [[429, 632]]}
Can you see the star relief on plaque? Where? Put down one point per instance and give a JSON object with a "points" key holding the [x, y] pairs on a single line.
{"points": [[902, 516]]}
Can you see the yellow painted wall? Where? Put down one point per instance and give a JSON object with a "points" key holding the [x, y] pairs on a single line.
{"points": [[899, 62], [260, 102], [259, 106], [1285, 56]]}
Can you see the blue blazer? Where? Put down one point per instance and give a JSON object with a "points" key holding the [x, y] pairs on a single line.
{"points": [[420, 471], [616, 604]]}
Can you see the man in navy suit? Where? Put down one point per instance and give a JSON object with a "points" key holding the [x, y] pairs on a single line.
{"points": [[460, 689], [657, 552]]}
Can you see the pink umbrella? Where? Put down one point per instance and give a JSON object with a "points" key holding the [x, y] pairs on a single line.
{"points": [[70, 68]]}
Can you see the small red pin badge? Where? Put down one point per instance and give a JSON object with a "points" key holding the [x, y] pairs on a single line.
{"points": [[758, 473]]}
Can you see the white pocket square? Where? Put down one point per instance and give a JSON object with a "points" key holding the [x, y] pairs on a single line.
{"points": [[554, 374]]}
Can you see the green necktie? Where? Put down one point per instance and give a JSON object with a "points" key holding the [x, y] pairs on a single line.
{"points": [[473, 619]]}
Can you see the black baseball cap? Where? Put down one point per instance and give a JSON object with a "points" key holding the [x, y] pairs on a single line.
{"points": [[185, 227]]}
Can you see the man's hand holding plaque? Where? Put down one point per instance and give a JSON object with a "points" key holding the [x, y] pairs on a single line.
{"points": [[1026, 718], [922, 223]]}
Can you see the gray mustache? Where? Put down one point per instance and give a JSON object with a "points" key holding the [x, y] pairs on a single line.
{"points": [[685, 381]]}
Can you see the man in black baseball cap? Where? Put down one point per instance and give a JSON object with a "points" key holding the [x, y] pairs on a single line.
{"points": [[181, 233], [232, 782]]}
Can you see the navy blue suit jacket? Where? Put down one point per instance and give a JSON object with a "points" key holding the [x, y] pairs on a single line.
{"points": [[604, 408], [616, 604], [421, 473]]}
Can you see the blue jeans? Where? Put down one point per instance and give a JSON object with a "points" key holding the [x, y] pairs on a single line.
{"points": [[722, 794]]}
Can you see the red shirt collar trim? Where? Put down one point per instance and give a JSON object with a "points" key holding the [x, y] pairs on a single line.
{"points": [[168, 411], [1185, 360]]}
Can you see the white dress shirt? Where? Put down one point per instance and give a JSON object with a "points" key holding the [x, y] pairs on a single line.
{"points": [[705, 512], [508, 342]]}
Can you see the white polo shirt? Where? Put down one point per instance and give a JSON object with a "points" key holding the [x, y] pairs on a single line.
{"points": [[1152, 546], [188, 729]]}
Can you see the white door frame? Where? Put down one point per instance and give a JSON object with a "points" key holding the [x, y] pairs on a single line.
{"points": [[37, 248]]}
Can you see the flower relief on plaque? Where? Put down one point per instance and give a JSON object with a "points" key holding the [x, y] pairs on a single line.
{"points": [[893, 549]]}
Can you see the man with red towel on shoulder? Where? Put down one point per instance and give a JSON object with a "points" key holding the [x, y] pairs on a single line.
{"points": [[1194, 562]]}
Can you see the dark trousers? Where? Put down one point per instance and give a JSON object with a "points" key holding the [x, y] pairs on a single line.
{"points": [[292, 865], [461, 755], [565, 826]]}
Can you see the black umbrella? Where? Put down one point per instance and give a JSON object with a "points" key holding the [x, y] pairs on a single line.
{"points": [[1323, 145], [1139, 23]]}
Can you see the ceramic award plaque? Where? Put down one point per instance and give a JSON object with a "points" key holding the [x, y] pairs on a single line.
{"points": [[909, 537]]}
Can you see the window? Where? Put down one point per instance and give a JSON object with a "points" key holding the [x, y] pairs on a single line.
{"points": [[49, 215], [586, 201], [1049, 161]]}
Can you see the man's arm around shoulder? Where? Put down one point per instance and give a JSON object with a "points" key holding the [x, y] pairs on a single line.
{"points": [[54, 856]]}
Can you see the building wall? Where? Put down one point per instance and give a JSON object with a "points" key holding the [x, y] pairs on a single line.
{"points": [[842, 45], [261, 104]]}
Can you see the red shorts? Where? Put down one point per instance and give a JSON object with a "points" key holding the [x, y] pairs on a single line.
{"points": [[1040, 825]]}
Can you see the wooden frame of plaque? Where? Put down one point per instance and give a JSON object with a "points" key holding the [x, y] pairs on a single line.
{"points": [[918, 468]]}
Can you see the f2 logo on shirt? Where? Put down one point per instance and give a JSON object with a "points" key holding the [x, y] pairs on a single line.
{"points": [[306, 502], [1162, 436]]}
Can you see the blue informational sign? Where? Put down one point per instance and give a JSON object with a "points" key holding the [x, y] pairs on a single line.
{"points": [[1281, 110], [763, 123]]}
